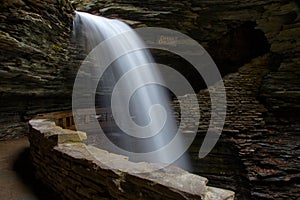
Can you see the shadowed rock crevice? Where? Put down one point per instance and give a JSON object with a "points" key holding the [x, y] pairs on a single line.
{"points": [[238, 47]]}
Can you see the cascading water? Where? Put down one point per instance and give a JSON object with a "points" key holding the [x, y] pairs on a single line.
{"points": [[141, 108]]}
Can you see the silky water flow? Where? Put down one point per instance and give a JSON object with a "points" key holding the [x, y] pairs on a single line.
{"points": [[140, 107]]}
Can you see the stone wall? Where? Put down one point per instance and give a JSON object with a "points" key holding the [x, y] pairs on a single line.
{"points": [[77, 171], [256, 155], [35, 61]]}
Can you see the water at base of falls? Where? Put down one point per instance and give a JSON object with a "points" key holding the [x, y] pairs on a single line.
{"points": [[140, 107]]}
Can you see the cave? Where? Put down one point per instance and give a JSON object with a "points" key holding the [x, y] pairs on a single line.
{"points": [[238, 47]]}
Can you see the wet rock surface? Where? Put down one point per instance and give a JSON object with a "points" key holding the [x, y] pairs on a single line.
{"points": [[258, 153], [34, 61], [37, 72], [233, 32]]}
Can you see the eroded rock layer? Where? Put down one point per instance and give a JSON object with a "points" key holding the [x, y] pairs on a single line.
{"points": [[233, 32], [257, 155], [262, 128], [34, 61]]}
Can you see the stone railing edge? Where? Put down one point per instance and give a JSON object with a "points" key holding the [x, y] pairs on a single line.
{"points": [[60, 153]]}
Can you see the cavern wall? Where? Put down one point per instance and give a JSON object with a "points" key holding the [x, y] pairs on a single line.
{"points": [[37, 73], [262, 124], [232, 31], [35, 64]]}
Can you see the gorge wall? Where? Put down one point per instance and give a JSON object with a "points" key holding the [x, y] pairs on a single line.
{"points": [[257, 155], [253, 157], [37, 69], [232, 31], [262, 129], [35, 64]]}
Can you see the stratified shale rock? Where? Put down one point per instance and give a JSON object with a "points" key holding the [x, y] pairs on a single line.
{"points": [[257, 155], [34, 61], [232, 31]]}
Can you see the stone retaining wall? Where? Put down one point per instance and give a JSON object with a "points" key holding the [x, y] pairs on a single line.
{"points": [[78, 171]]}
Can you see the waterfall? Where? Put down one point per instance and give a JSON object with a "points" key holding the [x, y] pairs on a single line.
{"points": [[141, 107]]}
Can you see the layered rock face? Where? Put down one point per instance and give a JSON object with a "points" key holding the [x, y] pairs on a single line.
{"points": [[262, 127], [35, 61], [280, 89], [255, 158], [257, 155], [233, 32]]}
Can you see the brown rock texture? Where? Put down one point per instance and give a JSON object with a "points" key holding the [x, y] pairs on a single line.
{"points": [[78, 171], [232, 31], [34, 61], [261, 133], [257, 155]]}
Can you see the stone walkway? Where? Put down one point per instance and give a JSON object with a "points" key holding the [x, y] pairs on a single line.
{"points": [[17, 180]]}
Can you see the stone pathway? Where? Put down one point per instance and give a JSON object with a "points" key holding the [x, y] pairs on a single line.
{"points": [[17, 180]]}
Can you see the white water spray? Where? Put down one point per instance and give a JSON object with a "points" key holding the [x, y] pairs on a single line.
{"points": [[140, 106]]}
